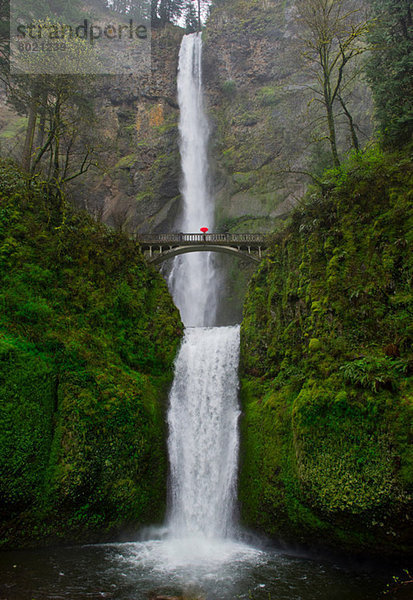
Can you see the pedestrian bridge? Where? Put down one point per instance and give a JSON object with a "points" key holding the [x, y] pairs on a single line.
{"points": [[160, 247]]}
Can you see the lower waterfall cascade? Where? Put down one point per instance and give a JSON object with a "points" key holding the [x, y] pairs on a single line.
{"points": [[203, 433]]}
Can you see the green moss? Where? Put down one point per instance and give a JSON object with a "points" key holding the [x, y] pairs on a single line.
{"points": [[126, 162], [27, 394], [229, 88], [88, 335], [314, 345], [326, 362], [269, 95]]}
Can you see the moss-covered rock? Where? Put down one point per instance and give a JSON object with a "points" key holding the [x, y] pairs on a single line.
{"points": [[327, 367], [88, 335]]}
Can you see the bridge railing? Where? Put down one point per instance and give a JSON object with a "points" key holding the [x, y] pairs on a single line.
{"points": [[174, 238]]}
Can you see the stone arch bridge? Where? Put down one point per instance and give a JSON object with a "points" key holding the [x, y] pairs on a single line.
{"points": [[159, 247]]}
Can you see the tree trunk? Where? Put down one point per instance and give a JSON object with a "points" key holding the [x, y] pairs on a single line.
{"points": [[332, 135], [42, 122], [57, 125], [199, 16], [28, 142], [354, 137], [328, 98]]}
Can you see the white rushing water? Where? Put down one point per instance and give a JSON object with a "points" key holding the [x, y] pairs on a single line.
{"points": [[203, 438], [203, 413], [193, 280], [199, 536]]}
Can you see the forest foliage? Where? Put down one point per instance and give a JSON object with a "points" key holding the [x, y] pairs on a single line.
{"points": [[326, 339], [327, 366], [390, 67], [88, 335]]}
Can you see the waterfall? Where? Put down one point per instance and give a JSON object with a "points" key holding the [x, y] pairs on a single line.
{"points": [[203, 413], [203, 439], [192, 279]]}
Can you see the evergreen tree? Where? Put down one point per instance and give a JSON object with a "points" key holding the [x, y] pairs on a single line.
{"points": [[171, 11], [191, 18], [168, 11], [390, 68], [4, 30]]}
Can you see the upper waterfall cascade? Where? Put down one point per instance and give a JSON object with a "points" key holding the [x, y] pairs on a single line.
{"points": [[193, 280]]}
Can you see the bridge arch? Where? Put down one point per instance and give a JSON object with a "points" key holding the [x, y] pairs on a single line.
{"points": [[166, 254]]}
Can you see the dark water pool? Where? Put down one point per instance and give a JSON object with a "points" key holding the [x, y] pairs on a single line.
{"points": [[211, 570]]}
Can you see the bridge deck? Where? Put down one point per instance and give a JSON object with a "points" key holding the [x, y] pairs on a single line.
{"points": [[188, 239]]}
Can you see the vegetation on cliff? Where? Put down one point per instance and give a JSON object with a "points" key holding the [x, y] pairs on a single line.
{"points": [[327, 336], [327, 366], [389, 68], [287, 100], [88, 335]]}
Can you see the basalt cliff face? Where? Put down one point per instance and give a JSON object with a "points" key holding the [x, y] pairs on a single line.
{"points": [[262, 114], [138, 187], [257, 95], [136, 183], [248, 73]]}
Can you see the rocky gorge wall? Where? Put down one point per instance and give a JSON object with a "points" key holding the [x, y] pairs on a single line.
{"points": [[263, 121], [138, 187], [326, 455], [135, 185], [266, 133]]}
